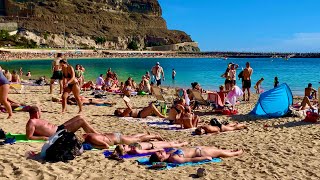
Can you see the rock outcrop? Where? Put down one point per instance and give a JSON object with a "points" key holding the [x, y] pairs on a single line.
{"points": [[116, 22]]}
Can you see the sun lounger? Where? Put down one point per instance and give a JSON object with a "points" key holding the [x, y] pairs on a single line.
{"points": [[156, 92]]}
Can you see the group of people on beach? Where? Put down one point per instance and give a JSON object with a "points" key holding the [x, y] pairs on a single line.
{"points": [[71, 80]]}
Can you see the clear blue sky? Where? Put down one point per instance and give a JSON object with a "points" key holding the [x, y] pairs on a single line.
{"points": [[247, 25]]}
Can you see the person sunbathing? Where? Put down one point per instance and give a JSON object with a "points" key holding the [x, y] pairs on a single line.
{"points": [[194, 154], [14, 104], [85, 101], [146, 147], [38, 129], [103, 141], [306, 103], [176, 111], [216, 127], [188, 119], [135, 113]]}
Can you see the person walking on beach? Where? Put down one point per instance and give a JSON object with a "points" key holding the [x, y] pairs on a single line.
{"points": [[157, 72], [4, 90], [173, 74], [247, 72], [70, 84], [57, 72]]}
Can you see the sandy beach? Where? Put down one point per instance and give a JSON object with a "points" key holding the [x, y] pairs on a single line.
{"points": [[281, 148]]}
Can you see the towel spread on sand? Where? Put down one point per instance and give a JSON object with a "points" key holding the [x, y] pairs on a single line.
{"points": [[145, 161], [22, 138], [108, 153], [157, 122]]}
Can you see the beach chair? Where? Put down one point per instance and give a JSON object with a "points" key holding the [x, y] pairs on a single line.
{"points": [[16, 88], [197, 96], [156, 92]]}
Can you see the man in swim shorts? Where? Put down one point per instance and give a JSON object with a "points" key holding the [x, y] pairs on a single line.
{"points": [[38, 129], [247, 72], [57, 72], [310, 92], [157, 72]]}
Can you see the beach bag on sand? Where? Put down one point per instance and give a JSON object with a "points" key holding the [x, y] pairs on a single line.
{"points": [[65, 147], [311, 117]]}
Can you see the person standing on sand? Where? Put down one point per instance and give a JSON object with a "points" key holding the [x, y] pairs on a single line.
{"points": [[247, 72], [173, 74], [157, 71], [4, 90], [57, 72], [70, 84]]}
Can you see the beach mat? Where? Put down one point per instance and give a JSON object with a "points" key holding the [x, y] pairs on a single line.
{"points": [[108, 153], [21, 138], [145, 162], [89, 147], [157, 122]]}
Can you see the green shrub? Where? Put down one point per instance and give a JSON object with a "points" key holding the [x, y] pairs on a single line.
{"points": [[133, 45]]}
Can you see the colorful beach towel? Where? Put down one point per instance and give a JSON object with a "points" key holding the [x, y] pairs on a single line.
{"points": [[145, 162], [89, 147], [20, 138]]}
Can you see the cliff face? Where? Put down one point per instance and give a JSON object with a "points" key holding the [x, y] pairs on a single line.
{"points": [[118, 21]]}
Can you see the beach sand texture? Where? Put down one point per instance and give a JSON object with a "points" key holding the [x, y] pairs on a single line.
{"points": [[287, 149]]}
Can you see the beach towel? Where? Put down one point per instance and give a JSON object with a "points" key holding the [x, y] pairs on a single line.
{"points": [[107, 153], [145, 162], [234, 94], [157, 123], [89, 147], [22, 138]]}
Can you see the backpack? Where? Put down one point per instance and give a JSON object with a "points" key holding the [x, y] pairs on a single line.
{"points": [[66, 147], [240, 76]]}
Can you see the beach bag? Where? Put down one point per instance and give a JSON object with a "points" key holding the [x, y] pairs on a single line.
{"points": [[2, 134], [311, 117], [65, 147]]}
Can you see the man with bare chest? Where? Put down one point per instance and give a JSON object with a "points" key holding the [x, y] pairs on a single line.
{"points": [[38, 129]]}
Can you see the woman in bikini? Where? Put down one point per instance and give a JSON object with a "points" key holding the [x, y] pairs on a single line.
{"points": [[216, 127], [176, 111], [135, 113], [146, 147], [78, 73], [194, 154], [103, 141], [70, 84], [4, 90], [188, 119]]}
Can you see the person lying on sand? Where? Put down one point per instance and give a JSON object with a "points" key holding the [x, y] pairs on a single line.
{"points": [[14, 104], [146, 147], [38, 129], [188, 119], [103, 141], [194, 154], [135, 113], [85, 101], [216, 127], [306, 103]]}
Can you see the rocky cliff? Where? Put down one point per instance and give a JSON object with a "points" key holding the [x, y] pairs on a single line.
{"points": [[109, 24]]}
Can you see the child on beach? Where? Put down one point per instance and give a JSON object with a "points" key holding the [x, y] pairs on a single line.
{"points": [[258, 86]]}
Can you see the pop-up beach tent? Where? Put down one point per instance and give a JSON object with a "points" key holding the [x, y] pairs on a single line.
{"points": [[274, 103]]}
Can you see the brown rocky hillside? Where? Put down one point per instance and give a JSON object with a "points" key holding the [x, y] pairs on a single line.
{"points": [[118, 21]]}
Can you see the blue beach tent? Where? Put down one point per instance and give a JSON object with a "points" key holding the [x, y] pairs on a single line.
{"points": [[274, 103]]}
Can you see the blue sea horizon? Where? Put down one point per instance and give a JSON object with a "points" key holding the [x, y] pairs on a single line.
{"points": [[296, 72]]}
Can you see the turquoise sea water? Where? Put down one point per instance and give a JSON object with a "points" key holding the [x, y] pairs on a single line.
{"points": [[297, 73]]}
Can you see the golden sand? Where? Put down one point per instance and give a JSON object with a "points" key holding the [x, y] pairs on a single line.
{"points": [[286, 149]]}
